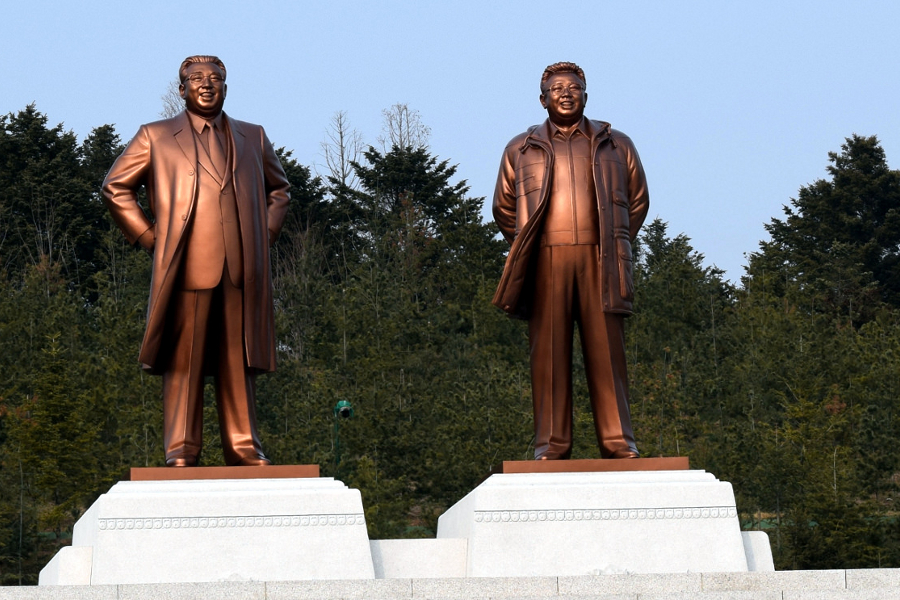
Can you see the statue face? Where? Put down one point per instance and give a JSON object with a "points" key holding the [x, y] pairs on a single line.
{"points": [[564, 98], [204, 89]]}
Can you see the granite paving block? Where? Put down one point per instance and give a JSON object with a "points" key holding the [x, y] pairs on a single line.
{"points": [[731, 595], [73, 592], [220, 590], [872, 594], [630, 583], [872, 578], [622, 596], [532, 586], [579, 597], [340, 589], [484, 587], [774, 580]]}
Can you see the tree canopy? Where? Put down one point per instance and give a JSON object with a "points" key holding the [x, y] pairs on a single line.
{"points": [[785, 385]]}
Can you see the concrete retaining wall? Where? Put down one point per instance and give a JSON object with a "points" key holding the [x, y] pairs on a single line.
{"points": [[857, 584]]}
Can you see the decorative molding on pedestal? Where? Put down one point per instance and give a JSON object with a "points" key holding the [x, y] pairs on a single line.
{"points": [[231, 522], [605, 514]]}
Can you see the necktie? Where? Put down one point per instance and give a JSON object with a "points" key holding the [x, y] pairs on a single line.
{"points": [[216, 152]]}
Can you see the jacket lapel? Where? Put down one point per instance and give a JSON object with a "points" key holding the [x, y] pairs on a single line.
{"points": [[195, 153], [206, 162], [185, 137], [235, 148]]}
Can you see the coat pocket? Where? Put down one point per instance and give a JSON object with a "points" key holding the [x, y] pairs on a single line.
{"points": [[621, 217], [527, 181], [528, 192], [626, 269]]}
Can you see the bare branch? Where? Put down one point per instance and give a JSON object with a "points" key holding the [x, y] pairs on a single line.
{"points": [[172, 101], [403, 128], [342, 146]]}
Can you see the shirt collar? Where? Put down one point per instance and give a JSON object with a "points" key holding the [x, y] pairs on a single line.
{"points": [[580, 128], [198, 122]]}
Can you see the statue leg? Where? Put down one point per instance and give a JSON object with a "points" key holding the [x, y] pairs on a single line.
{"points": [[235, 385], [185, 333], [603, 344], [550, 331]]}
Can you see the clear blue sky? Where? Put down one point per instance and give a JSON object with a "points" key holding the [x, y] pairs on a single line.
{"points": [[733, 106]]}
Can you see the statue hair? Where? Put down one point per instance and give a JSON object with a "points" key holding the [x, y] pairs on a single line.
{"points": [[562, 67], [199, 58]]}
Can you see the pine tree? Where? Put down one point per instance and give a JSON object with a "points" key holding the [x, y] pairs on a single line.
{"points": [[840, 238]]}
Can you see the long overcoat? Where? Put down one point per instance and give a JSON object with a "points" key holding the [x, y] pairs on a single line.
{"points": [[520, 203], [163, 157]]}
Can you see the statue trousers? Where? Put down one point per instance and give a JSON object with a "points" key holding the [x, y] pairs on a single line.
{"points": [[568, 289], [205, 329]]}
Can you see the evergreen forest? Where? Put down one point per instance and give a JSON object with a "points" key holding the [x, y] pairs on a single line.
{"points": [[786, 384]]}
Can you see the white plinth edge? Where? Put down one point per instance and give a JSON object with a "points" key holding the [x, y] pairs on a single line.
{"points": [[552, 524], [217, 530]]}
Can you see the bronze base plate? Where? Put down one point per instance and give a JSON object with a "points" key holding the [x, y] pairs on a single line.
{"points": [[594, 465], [181, 473]]}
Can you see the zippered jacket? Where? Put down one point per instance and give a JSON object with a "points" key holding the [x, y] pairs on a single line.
{"points": [[520, 203]]}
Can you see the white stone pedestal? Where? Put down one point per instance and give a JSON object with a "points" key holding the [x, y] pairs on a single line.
{"points": [[217, 530], [555, 524]]}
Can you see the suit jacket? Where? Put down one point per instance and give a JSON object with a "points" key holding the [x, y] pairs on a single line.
{"points": [[521, 198], [163, 157]]}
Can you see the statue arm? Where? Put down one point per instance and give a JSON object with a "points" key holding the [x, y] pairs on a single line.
{"points": [[277, 189], [121, 186], [638, 196], [504, 206]]}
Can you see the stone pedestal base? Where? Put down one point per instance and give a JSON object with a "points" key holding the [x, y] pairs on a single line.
{"points": [[554, 524], [217, 530]]}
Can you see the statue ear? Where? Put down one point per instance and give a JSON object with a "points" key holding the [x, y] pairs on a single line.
{"points": [[543, 100], [181, 90]]}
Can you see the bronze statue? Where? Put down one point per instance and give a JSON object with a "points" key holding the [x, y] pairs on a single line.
{"points": [[217, 198], [570, 198]]}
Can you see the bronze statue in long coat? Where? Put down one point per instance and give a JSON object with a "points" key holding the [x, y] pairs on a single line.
{"points": [[217, 199]]}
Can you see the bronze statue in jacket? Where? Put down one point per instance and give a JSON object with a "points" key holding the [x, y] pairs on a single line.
{"points": [[571, 197]]}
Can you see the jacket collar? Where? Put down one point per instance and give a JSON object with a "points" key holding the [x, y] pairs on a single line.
{"points": [[182, 131], [198, 122], [540, 135]]}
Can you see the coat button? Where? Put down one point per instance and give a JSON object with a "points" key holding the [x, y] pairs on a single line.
{"points": [[184, 217], [190, 173]]}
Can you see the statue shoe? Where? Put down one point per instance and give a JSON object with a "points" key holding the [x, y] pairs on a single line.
{"points": [[254, 461], [625, 453]]}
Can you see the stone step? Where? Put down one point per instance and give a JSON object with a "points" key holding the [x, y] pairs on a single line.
{"points": [[838, 584]]}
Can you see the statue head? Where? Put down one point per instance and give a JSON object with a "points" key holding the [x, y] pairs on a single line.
{"points": [[203, 84], [563, 93]]}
